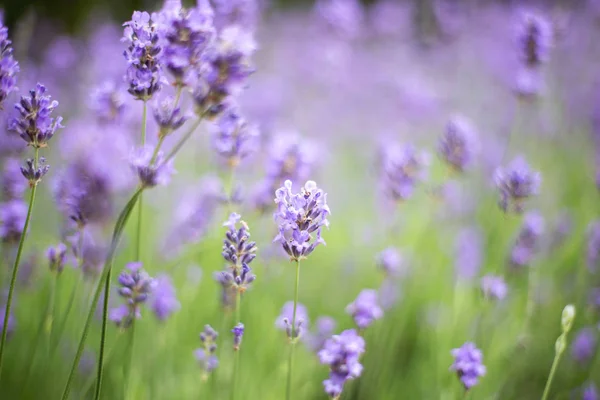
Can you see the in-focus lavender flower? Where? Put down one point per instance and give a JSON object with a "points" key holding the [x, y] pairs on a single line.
{"points": [[206, 355], [468, 253], [136, 287], [8, 66], [324, 328], [590, 393], [233, 138], [284, 320], [583, 347], [107, 102], [457, 144], [403, 167], [33, 122], [168, 117], [12, 220], [56, 257], [13, 185], [238, 333], [342, 353], [35, 170], [534, 38], [390, 261], [593, 246], [298, 216], [164, 299], [494, 287], [528, 240], [468, 364], [142, 54], [516, 182], [365, 309], [152, 170]]}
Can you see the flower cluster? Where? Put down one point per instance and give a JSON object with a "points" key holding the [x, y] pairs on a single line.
{"points": [[457, 144], [168, 116], [151, 168], [12, 220], [233, 138], [342, 353], [534, 39], [365, 309], [528, 240], [324, 328], [403, 167], [469, 253], [206, 354], [164, 299], [238, 333], [56, 257], [390, 261], [298, 217], [284, 320], [34, 173], [8, 66], [468, 364], [516, 183], [494, 287], [143, 50], [136, 287]]}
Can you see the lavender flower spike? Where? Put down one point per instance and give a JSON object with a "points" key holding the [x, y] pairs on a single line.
{"points": [[33, 122], [168, 117], [584, 345], [233, 138], [403, 168], [324, 328], [206, 355], [494, 287], [151, 172], [457, 144], [534, 39], [365, 309], [164, 300], [238, 333], [284, 320], [468, 364], [136, 287], [590, 393], [342, 353], [390, 261], [527, 242], [516, 182], [298, 217], [8, 66], [57, 257]]}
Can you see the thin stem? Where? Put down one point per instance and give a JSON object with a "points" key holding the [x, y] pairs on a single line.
{"points": [[288, 391], [161, 140], [183, 139], [15, 271], [90, 381], [103, 332], [129, 360], [144, 117], [236, 360], [551, 376], [138, 243], [50, 312]]}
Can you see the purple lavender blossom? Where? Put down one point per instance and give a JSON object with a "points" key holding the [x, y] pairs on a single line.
{"points": [[168, 117], [324, 328], [8, 66], [516, 182], [152, 170], [35, 170], [457, 144], [56, 257], [298, 216], [402, 169], [233, 138], [164, 299], [590, 393], [12, 220], [584, 344], [206, 355], [344, 18], [34, 123], [365, 309], [284, 320], [13, 185], [244, 13], [107, 102], [494, 287], [136, 287], [593, 246], [390, 261], [468, 253], [342, 353], [142, 54], [238, 333], [534, 39], [527, 242], [468, 364]]}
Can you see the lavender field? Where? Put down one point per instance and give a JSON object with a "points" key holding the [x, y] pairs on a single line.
{"points": [[236, 200]]}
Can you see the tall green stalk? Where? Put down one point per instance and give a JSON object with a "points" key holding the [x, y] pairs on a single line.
{"points": [[288, 391], [236, 359], [15, 271]]}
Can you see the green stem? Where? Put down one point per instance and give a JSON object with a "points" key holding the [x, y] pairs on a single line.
{"points": [[183, 139], [15, 271], [144, 117], [138, 243], [236, 360], [551, 376], [129, 360], [103, 332], [90, 381], [50, 311], [288, 391], [117, 233]]}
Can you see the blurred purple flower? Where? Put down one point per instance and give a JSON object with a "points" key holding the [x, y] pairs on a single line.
{"points": [[13, 185], [593, 246], [12, 220], [494, 287], [152, 170], [244, 13], [284, 320], [233, 138], [342, 354], [590, 393], [468, 253], [164, 299], [388, 294], [11, 320], [527, 242], [390, 261], [516, 182], [324, 328], [584, 344], [344, 18], [534, 39], [402, 169], [238, 333], [468, 364], [206, 355], [365, 309], [8, 66], [107, 102], [56, 256], [457, 145]]}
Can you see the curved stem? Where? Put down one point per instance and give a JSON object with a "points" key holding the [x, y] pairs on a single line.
{"points": [[15, 270], [103, 332], [288, 391], [551, 376]]}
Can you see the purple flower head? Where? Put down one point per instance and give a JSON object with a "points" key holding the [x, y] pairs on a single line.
{"points": [[152, 170], [590, 393], [593, 246], [238, 333], [285, 320], [344, 18], [390, 261], [402, 169], [143, 73], [528, 240], [107, 102], [8, 66], [534, 39], [136, 287], [243, 13], [34, 173], [13, 185], [12, 220], [342, 354], [206, 355], [529, 83], [33, 122], [457, 144], [324, 328], [164, 299], [168, 117], [468, 364], [57, 257], [233, 138], [298, 217], [233, 281], [494, 287], [365, 309], [516, 182], [468, 253], [584, 345]]}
